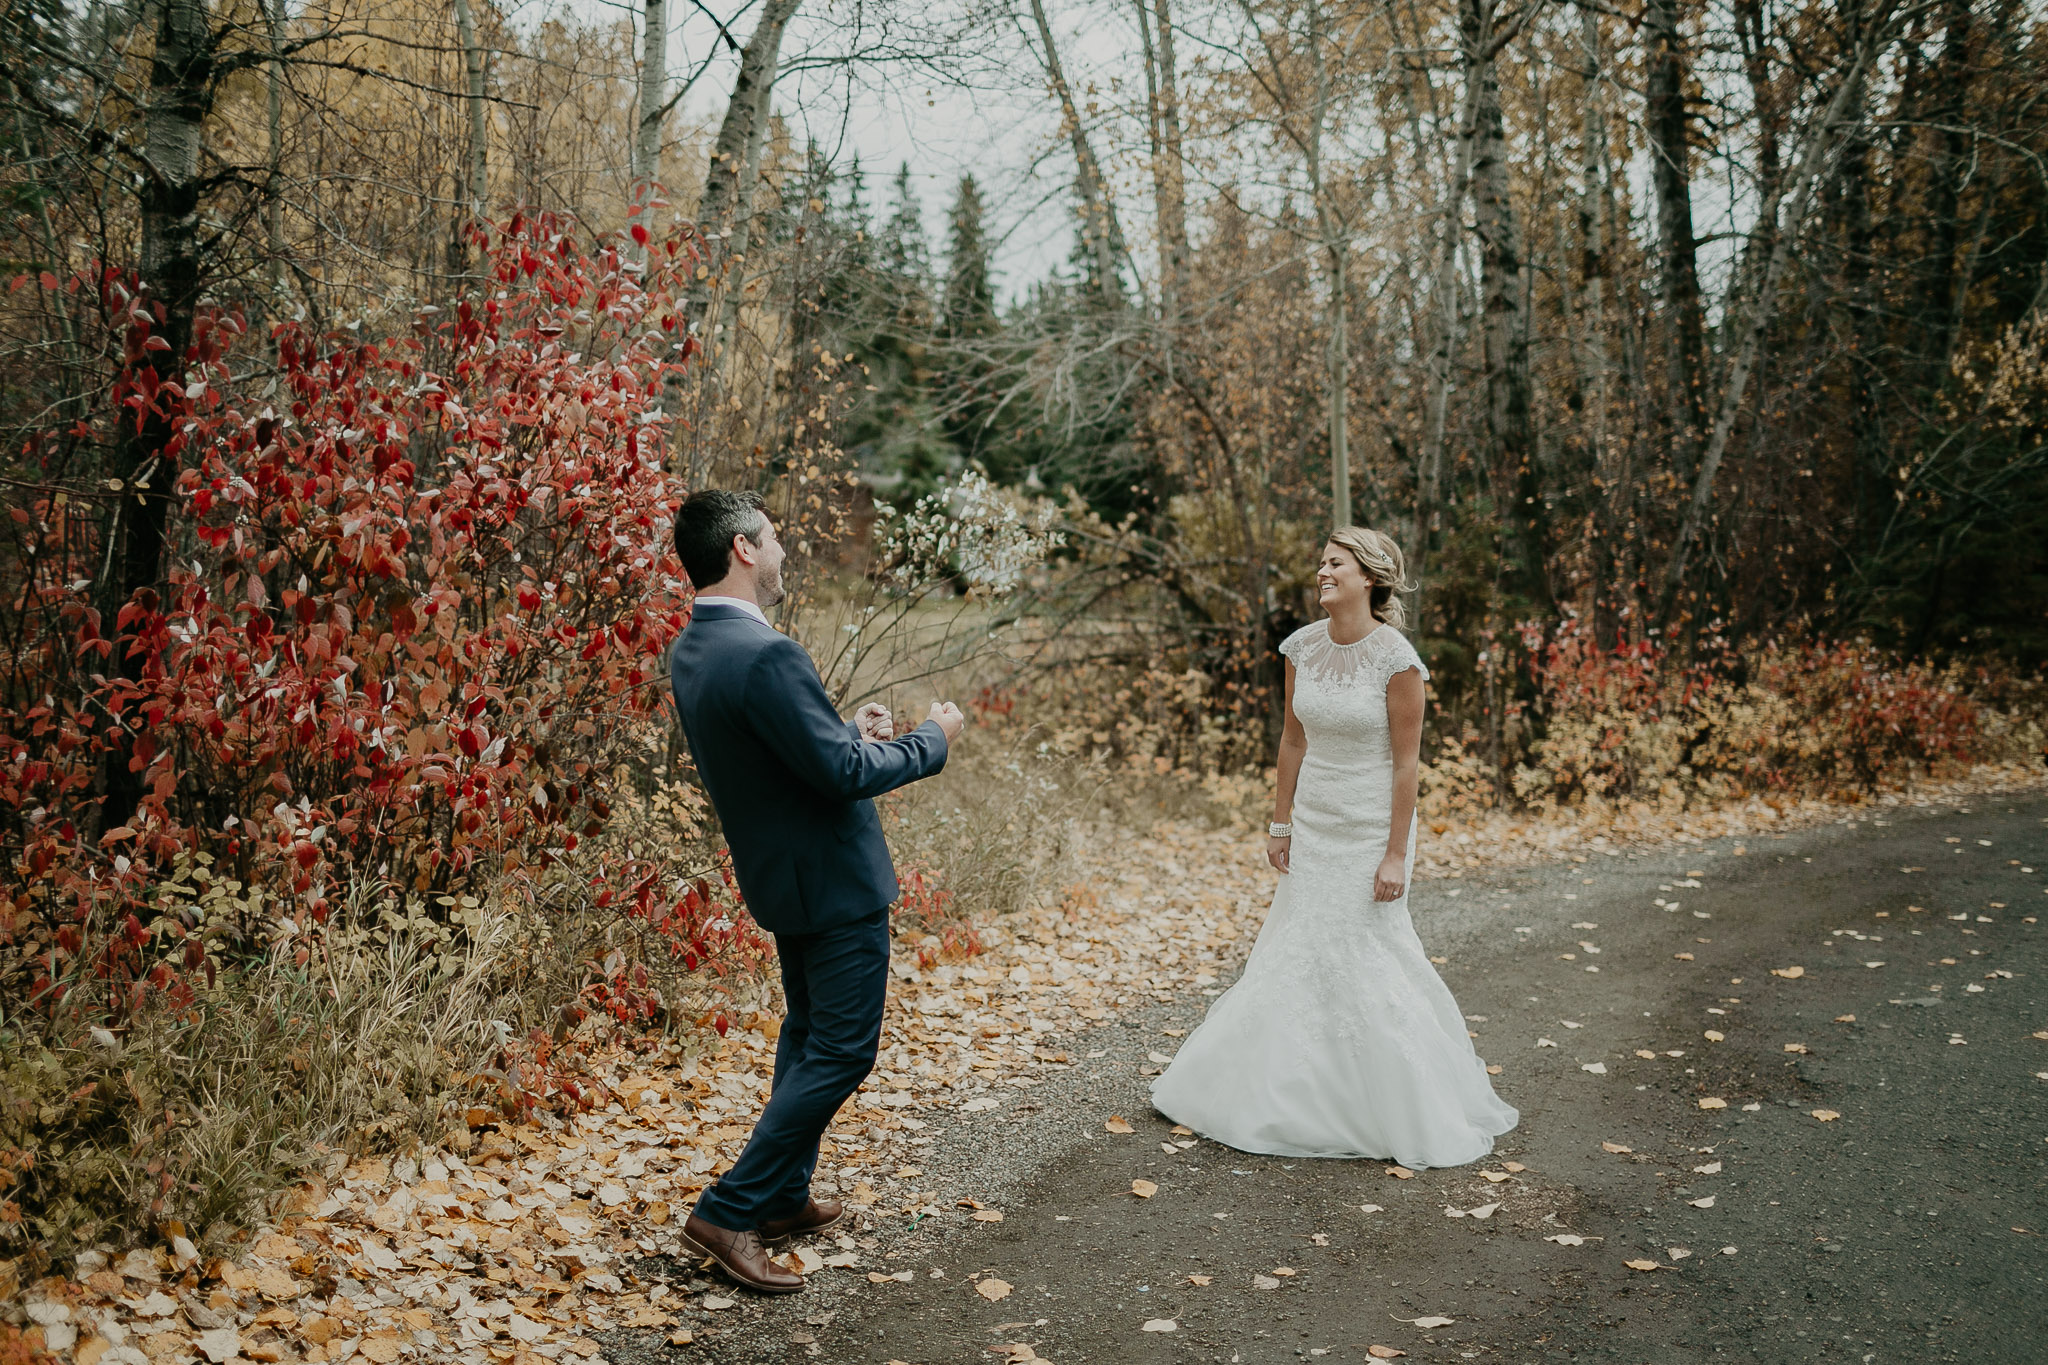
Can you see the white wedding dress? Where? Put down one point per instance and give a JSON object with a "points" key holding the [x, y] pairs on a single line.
{"points": [[1339, 1039]]}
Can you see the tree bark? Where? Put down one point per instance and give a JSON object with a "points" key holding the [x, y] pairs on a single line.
{"points": [[650, 112], [273, 180], [1592, 212], [1678, 249], [1950, 164], [1099, 225], [179, 99], [1505, 329], [477, 167], [1169, 181], [724, 208], [1336, 245]]}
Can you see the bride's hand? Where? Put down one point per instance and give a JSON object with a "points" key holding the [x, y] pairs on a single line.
{"points": [[1276, 852], [1392, 878]]}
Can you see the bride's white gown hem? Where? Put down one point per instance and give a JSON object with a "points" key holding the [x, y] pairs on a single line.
{"points": [[1339, 1039]]}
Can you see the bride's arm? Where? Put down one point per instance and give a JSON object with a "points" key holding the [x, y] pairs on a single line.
{"points": [[1293, 744], [1404, 725]]}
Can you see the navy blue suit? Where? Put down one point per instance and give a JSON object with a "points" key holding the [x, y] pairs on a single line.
{"points": [[793, 787]]}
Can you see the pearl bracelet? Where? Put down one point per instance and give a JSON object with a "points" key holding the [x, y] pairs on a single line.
{"points": [[1280, 831]]}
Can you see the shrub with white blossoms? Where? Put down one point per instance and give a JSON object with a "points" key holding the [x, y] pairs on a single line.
{"points": [[972, 530]]}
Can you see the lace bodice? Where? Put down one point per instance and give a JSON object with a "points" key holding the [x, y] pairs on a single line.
{"points": [[1340, 695]]}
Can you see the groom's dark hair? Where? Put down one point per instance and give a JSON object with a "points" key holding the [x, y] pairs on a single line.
{"points": [[705, 526]]}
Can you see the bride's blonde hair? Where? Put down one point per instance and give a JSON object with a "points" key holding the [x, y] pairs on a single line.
{"points": [[1384, 567]]}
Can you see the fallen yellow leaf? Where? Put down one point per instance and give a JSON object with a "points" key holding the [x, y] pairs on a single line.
{"points": [[1826, 1115], [1400, 1173], [1789, 973], [1493, 1177], [993, 1290], [1144, 1189], [1644, 1265], [1614, 1147], [1682, 957], [1198, 1280], [1797, 1047], [1515, 1166], [1383, 1352], [1711, 1103], [988, 1216], [1715, 1035], [1117, 1124]]}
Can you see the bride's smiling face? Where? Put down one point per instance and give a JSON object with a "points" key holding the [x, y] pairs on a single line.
{"points": [[1340, 580]]}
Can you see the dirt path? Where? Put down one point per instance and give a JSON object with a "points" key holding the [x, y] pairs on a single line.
{"points": [[995, 1215], [1909, 1226]]}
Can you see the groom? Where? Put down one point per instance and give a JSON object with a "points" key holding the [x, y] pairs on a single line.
{"points": [[792, 785]]}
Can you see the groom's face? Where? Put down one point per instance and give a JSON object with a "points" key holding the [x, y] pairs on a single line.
{"points": [[768, 557]]}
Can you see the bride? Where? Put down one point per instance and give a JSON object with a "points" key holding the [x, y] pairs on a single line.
{"points": [[1340, 1039]]}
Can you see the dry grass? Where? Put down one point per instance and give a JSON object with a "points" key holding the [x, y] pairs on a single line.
{"points": [[189, 1119]]}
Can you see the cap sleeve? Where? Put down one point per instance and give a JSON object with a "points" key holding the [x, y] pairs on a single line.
{"points": [[1294, 644], [1405, 658], [1396, 656]]}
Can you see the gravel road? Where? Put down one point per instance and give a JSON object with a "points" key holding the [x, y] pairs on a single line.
{"points": [[1887, 970]]}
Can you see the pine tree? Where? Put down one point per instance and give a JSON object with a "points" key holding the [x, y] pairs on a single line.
{"points": [[970, 291], [968, 367], [905, 252]]}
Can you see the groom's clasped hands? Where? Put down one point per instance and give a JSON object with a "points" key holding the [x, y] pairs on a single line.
{"points": [[877, 724]]}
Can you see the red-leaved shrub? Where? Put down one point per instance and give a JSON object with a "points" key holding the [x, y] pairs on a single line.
{"points": [[417, 600]]}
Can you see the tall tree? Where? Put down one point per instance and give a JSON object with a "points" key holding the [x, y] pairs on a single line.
{"points": [[1101, 234], [1669, 130], [650, 110], [969, 330], [1515, 459]]}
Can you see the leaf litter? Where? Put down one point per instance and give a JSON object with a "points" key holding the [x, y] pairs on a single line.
{"points": [[511, 1239]]}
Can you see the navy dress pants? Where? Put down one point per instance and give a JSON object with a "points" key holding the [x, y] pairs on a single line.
{"points": [[834, 982]]}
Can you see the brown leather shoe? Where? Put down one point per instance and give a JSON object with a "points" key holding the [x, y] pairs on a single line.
{"points": [[742, 1255], [815, 1216]]}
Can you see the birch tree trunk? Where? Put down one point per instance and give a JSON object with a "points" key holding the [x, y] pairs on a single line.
{"points": [[1099, 226], [477, 187], [723, 208], [1169, 184], [650, 110], [1336, 247]]}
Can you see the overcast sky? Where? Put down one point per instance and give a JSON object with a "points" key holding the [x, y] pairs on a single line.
{"points": [[983, 109]]}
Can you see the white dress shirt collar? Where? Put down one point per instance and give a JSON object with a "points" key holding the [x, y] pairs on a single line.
{"points": [[740, 602]]}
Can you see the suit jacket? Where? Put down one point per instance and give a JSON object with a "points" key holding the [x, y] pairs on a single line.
{"points": [[791, 782]]}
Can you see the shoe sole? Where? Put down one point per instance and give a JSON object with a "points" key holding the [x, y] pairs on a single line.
{"points": [[737, 1278], [825, 1226]]}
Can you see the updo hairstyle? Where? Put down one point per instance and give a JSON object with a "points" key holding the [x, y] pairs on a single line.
{"points": [[1384, 566]]}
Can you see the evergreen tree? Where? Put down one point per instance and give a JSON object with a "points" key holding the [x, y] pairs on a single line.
{"points": [[970, 291], [968, 387], [905, 252]]}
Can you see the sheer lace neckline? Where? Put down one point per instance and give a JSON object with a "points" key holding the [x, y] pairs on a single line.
{"points": [[1378, 653], [1377, 627]]}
